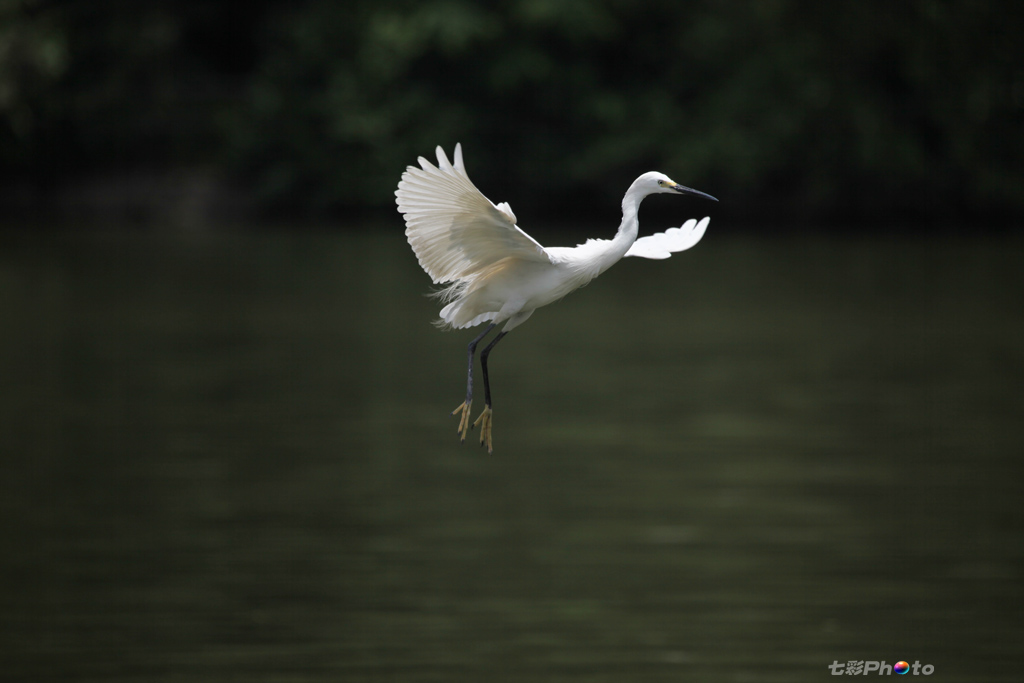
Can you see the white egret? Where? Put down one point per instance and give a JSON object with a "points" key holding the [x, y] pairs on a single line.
{"points": [[497, 273]]}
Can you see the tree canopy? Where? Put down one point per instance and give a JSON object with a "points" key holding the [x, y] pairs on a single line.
{"points": [[808, 111]]}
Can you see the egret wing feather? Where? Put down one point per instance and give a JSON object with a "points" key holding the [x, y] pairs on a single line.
{"points": [[452, 227], [661, 245]]}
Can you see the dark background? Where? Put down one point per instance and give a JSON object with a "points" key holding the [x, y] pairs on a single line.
{"points": [[226, 448], [793, 112]]}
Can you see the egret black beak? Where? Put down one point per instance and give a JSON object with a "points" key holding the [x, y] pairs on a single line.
{"points": [[686, 190]]}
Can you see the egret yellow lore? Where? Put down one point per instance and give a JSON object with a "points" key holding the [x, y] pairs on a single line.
{"points": [[494, 272]]}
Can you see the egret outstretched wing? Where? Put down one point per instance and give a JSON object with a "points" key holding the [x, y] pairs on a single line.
{"points": [[661, 245], [452, 227]]}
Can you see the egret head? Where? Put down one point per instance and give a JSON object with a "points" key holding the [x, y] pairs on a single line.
{"points": [[653, 182]]}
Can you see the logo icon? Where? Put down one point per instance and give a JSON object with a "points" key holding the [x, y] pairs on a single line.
{"points": [[860, 667]]}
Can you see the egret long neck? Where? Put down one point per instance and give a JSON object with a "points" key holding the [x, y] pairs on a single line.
{"points": [[629, 226], [603, 254]]}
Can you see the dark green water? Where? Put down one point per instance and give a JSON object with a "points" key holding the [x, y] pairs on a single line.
{"points": [[230, 458]]}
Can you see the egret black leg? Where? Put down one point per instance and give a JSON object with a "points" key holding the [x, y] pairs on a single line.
{"points": [[485, 417], [464, 408], [483, 365]]}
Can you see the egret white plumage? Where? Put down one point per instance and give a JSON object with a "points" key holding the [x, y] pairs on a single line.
{"points": [[495, 272]]}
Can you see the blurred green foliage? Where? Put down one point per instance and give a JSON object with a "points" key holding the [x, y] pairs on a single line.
{"points": [[791, 110]]}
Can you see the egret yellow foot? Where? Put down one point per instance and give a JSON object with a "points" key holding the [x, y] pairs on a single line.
{"points": [[464, 420], [485, 428]]}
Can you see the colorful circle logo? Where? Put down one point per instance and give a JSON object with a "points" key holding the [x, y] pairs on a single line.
{"points": [[901, 667]]}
